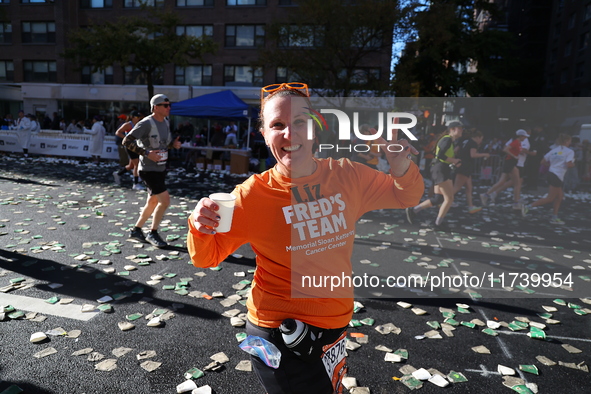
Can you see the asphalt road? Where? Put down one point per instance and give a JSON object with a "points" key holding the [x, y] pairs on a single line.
{"points": [[59, 221]]}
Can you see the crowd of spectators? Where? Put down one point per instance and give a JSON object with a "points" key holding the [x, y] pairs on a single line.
{"points": [[228, 134]]}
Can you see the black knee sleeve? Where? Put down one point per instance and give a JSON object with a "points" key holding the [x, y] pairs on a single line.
{"points": [[436, 199]]}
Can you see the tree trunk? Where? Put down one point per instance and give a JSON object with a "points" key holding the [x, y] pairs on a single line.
{"points": [[150, 83]]}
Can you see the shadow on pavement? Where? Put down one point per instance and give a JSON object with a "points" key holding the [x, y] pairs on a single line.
{"points": [[25, 181], [176, 248], [86, 282], [24, 388]]}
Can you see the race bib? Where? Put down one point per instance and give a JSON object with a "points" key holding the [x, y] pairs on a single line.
{"points": [[335, 362], [163, 157]]}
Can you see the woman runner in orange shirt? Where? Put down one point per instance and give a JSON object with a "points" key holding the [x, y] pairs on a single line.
{"points": [[299, 218]]}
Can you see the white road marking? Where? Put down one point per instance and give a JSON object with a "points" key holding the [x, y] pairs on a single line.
{"points": [[482, 371], [30, 304], [502, 344]]}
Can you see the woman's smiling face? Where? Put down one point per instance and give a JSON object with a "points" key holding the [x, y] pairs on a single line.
{"points": [[285, 121]]}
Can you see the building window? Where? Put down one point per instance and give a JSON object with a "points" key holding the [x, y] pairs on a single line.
{"points": [[588, 12], [245, 2], [557, 29], [193, 75], [6, 71], [194, 3], [571, 20], [361, 76], [584, 41], [568, 48], [243, 76], [96, 3], [38, 32], [366, 37], [564, 76], [306, 36], [134, 76], [195, 30], [283, 74], [101, 77], [139, 3], [580, 70], [33, 1], [245, 35], [5, 33], [40, 71]]}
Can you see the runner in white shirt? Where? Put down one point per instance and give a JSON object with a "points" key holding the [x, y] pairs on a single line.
{"points": [[23, 127], [560, 159]]}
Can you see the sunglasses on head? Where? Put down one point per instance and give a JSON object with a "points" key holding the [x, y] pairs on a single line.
{"points": [[269, 89], [164, 105]]}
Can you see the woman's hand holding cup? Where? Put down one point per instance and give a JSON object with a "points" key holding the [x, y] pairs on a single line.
{"points": [[205, 216]]}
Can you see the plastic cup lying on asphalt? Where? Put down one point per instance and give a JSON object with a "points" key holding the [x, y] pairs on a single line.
{"points": [[226, 203]]}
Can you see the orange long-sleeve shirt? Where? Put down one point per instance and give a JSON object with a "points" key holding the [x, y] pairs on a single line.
{"points": [[301, 228]]}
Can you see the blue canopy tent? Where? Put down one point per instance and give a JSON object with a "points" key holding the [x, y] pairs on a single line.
{"points": [[220, 105]]}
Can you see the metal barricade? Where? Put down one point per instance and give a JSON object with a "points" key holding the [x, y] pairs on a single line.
{"points": [[487, 170]]}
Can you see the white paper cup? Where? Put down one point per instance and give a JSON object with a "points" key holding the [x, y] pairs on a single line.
{"points": [[226, 203], [187, 385]]}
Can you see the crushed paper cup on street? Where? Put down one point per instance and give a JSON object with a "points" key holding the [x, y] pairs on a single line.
{"points": [[150, 365], [349, 382], [244, 365], [438, 380], [38, 337], [421, 374], [202, 390], [503, 370], [187, 385], [393, 358]]}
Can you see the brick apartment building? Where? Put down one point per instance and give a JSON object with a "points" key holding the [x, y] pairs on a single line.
{"points": [[35, 77]]}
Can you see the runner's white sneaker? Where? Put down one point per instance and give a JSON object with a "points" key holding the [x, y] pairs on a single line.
{"points": [[484, 199]]}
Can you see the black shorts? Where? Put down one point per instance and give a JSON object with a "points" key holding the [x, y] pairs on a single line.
{"points": [[554, 180], [465, 170], [508, 165], [294, 376], [132, 155], [521, 171], [440, 172], [154, 181]]}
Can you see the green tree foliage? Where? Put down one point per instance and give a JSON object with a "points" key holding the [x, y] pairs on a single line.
{"points": [[146, 42], [451, 56], [330, 45]]}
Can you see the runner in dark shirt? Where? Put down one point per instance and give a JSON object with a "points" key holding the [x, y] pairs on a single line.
{"points": [[468, 151]]}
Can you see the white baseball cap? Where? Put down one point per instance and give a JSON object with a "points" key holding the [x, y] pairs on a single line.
{"points": [[521, 132], [158, 99]]}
